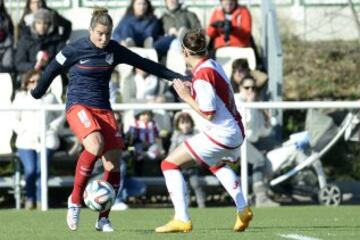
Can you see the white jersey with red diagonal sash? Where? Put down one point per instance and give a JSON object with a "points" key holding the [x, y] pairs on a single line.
{"points": [[212, 90]]}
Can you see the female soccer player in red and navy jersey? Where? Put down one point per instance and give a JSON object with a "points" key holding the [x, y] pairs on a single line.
{"points": [[90, 62], [211, 96]]}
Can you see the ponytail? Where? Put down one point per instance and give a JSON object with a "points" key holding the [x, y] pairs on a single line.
{"points": [[101, 16]]}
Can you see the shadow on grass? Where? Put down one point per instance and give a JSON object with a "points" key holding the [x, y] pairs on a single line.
{"points": [[140, 231], [252, 229]]}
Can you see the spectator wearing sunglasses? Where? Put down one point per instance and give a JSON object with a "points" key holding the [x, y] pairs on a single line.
{"points": [[257, 126], [240, 69]]}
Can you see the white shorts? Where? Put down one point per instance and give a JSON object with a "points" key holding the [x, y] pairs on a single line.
{"points": [[207, 150]]}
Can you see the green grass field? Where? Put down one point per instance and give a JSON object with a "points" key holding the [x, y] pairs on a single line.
{"points": [[303, 223]]}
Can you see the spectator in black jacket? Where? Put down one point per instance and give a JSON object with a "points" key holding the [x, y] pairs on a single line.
{"points": [[60, 24], [6, 40], [39, 44]]}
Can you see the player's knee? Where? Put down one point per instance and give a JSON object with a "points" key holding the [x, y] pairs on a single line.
{"points": [[96, 148], [165, 165], [214, 169], [94, 144]]}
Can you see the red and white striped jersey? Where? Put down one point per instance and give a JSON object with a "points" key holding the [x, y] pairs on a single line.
{"points": [[144, 132], [212, 90]]}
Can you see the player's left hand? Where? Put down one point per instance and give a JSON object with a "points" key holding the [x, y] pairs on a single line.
{"points": [[183, 89]]}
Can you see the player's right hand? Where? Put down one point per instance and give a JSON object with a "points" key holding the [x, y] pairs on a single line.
{"points": [[183, 89]]}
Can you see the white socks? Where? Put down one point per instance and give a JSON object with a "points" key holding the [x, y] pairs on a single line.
{"points": [[177, 189], [175, 184], [232, 185]]}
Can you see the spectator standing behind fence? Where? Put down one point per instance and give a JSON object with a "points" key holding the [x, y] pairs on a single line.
{"points": [[60, 24], [39, 44], [27, 126], [175, 21], [184, 129], [230, 25], [257, 126], [6, 40], [139, 26]]}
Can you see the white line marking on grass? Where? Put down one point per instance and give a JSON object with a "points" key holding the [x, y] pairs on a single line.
{"points": [[297, 237]]}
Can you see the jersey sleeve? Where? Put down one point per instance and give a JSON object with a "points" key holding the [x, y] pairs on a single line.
{"points": [[205, 96], [124, 55], [64, 59], [67, 56]]}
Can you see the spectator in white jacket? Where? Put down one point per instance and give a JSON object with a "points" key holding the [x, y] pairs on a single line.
{"points": [[257, 126], [27, 126]]}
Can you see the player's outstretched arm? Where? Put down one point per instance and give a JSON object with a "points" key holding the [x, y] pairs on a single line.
{"points": [[51, 71], [133, 59]]}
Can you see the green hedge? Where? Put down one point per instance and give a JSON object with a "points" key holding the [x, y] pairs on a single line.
{"points": [[326, 70]]}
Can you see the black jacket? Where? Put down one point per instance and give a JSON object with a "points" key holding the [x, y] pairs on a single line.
{"points": [[31, 43], [61, 25]]}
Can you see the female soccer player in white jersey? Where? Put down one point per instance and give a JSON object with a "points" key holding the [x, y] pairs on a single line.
{"points": [[211, 96]]}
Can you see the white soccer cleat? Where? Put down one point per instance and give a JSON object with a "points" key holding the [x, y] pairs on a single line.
{"points": [[73, 215], [104, 225]]}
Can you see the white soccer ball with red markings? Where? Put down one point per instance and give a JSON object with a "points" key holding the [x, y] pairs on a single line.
{"points": [[99, 195]]}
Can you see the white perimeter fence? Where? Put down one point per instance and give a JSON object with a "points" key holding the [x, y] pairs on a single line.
{"points": [[174, 106]]}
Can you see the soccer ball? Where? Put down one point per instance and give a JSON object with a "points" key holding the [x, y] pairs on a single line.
{"points": [[99, 195]]}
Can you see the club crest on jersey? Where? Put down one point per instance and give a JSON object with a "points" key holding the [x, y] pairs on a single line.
{"points": [[109, 58]]}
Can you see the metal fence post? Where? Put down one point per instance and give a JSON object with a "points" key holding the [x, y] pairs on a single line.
{"points": [[44, 162]]}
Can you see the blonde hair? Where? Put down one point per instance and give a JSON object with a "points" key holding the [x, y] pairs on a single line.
{"points": [[101, 16]]}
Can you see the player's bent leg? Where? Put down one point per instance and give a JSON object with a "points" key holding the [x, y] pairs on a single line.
{"points": [[230, 181], [111, 162], [93, 144], [176, 186]]}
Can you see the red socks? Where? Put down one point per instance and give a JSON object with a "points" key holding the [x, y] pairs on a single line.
{"points": [[165, 165], [83, 170], [114, 179]]}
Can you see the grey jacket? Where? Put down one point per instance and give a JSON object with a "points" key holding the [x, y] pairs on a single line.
{"points": [[181, 17]]}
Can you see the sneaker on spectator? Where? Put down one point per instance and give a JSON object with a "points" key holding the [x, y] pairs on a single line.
{"points": [[119, 206], [29, 205], [73, 215], [129, 42], [104, 225], [38, 205], [148, 43]]}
